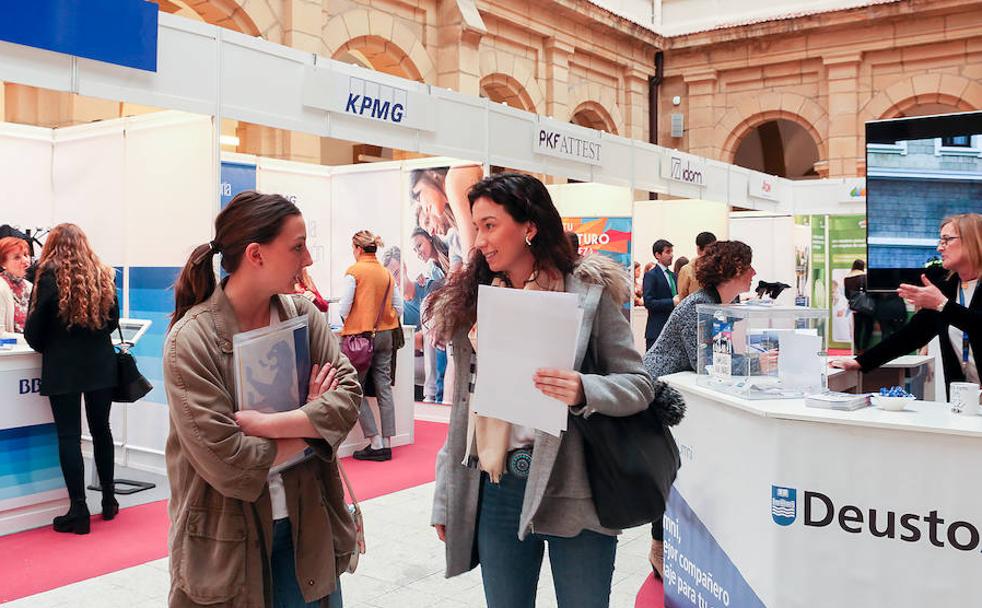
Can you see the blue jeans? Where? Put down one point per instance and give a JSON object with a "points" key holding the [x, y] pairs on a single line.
{"points": [[582, 566], [441, 370], [286, 590]]}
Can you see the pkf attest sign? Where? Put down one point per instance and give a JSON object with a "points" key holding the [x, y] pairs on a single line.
{"points": [[684, 168], [368, 98], [560, 144]]}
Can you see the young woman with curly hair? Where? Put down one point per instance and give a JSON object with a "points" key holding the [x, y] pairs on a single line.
{"points": [[519, 489], [72, 317], [724, 270]]}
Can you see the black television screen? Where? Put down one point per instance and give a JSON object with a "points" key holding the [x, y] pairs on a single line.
{"points": [[919, 170]]}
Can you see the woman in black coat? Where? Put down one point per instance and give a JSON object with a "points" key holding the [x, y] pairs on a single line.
{"points": [[951, 309], [73, 314]]}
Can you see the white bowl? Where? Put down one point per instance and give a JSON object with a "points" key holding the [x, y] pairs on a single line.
{"points": [[891, 404]]}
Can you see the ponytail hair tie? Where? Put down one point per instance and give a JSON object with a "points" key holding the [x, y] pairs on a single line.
{"points": [[215, 247]]}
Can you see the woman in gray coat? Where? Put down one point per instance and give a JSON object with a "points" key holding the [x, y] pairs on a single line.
{"points": [[725, 271], [526, 488]]}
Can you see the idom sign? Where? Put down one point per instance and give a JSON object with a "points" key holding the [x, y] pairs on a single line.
{"points": [[819, 510]]}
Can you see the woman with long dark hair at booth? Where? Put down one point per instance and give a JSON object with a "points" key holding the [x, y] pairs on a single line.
{"points": [[240, 533], [950, 307], [73, 314], [526, 488]]}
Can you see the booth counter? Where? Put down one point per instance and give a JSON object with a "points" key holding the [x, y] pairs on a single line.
{"points": [[32, 489], [779, 504]]}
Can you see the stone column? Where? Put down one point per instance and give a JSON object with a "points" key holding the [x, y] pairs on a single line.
{"points": [[459, 32], [301, 20], [700, 119], [635, 104], [844, 142], [558, 50]]}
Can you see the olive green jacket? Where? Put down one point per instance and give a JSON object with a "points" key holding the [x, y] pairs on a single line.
{"points": [[220, 510]]}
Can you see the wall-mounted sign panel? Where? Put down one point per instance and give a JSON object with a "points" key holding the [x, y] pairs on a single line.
{"points": [[364, 96], [567, 145], [684, 168], [122, 32]]}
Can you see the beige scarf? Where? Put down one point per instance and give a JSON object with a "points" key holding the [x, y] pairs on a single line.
{"points": [[489, 437]]}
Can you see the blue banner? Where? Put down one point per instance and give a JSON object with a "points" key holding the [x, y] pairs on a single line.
{"points": [[698, 572], [236, 177], [122, 32]]}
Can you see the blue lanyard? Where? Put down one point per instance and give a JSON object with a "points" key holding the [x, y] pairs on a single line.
{"points": [[965, 345]]}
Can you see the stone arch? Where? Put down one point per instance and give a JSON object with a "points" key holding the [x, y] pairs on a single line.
{"points": [[502, 88], [755, 111], [597, 101], [230, 14], [948, 89], [593, 115], [516, 74], [387, 44]]}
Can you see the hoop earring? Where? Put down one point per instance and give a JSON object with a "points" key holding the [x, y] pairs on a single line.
{"points": [[528, 241]]}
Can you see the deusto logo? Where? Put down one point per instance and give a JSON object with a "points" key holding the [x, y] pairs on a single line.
{"points": [[784, 505], [819, 510]]}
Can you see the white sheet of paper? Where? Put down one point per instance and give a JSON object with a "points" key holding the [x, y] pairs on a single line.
{"points": [[797, 360], [518, 332]]}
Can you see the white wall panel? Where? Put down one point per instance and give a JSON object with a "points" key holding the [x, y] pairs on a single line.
{"points": [[771, 238], [647, 167], [617, 166], [186, 76], [25, 172], [35, 67], [679, 221], [510, 139], [170, 179], [263, 84], [91, 194], [459, 127], [589, 200], [309, 187], [363, 200]]}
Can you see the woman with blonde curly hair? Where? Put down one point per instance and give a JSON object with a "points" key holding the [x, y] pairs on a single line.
{"points": [[73, 314]]}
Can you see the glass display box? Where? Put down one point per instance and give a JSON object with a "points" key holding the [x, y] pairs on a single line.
{"points": [[762, 351]]}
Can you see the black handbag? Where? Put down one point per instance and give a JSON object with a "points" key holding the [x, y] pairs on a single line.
{"points": [[631, 464], [131, 386], [862, 303]]}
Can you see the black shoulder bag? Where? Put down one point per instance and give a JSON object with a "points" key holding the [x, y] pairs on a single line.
{"points": [[131, 386], [631, 463]]}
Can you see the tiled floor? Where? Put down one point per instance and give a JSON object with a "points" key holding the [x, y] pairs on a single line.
{"points": [[402, 569]]}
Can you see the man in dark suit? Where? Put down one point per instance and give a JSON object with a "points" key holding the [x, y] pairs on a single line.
{"points": [[659, 291]]}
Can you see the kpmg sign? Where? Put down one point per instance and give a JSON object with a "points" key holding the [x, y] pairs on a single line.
{"points": [[556, 143], [366, 97], [122, 32]]}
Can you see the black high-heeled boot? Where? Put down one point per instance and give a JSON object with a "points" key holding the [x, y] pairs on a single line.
{"points": [[76, 520], [109, 507]]}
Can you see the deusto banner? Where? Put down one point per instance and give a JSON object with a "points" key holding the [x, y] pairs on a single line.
{"points": [[788, 513]]}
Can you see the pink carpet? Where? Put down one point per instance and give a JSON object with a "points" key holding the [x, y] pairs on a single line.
{"points": [[651, 595], [41, 559]]}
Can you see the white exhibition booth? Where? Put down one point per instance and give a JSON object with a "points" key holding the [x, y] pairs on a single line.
{"points": [[779, 504], [146, 189]]}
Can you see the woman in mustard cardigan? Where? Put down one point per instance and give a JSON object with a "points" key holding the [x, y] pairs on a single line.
{"points": [[368, 286]]}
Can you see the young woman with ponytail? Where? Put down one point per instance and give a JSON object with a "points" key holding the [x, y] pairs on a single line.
{"points": [[239, 534]]}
